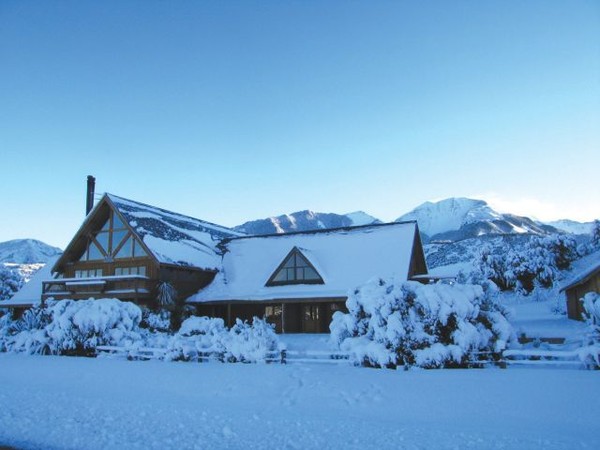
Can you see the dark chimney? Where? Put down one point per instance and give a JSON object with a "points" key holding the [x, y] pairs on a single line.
{"points": [[89, 200]]}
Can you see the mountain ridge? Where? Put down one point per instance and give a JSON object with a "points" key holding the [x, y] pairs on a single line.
{"points": [[26, 251]]}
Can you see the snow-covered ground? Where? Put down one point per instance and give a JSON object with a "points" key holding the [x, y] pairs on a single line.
{"points": [[536, 318], [80, 403]]}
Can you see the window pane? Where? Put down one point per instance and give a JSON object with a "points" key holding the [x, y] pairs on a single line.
{"points": [[84, 256], [95, 253], [117, 222], [281, 276], [102, 239], [118, 271], [125, 251], [310, 274], [142, 270], [98, 272], [106, 225], [300, 273], [138, 251], [117, 238], [289, 262]]}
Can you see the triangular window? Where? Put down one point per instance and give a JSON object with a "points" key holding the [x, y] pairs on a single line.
{"points": [[295, 269]]}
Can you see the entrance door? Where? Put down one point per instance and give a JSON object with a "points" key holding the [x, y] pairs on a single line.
{"points": [[312, 316]]}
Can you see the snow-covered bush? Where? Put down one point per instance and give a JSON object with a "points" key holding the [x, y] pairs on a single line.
{"points": [[393, 323], [159, 321], [537, 264], [79, 326], [74, 327], [10, 282], [590, 350], [197, 335], [244, 342], [251, 342]]}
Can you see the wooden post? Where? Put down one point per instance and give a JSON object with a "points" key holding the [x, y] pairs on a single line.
{"points": [[229, 315], [283, 318]]}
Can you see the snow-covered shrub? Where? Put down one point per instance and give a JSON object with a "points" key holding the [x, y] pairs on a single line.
{"points": [[74, 327], [244, 342], [392, 323], [590, 350], [26, 333], [251, 342], [10, 282], [197, 335], [156, 321], [537, 264], [79, 326]]}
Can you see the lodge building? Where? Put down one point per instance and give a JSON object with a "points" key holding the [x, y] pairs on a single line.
{"points": [[124, 249]]}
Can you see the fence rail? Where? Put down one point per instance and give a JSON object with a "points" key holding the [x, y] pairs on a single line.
{"points": [[517, 357]]}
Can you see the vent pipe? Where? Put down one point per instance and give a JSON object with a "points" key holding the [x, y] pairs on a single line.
{"points": [[89, 199]]}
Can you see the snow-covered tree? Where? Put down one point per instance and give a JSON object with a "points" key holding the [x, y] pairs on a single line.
{"points": [[595, 240], [166, 295], [393, 323], [590, 350], [10, 282], [538, 263]]}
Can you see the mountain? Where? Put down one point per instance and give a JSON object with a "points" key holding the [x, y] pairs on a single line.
{"points": [[455, 219], [571, 226], [305, 221], [26, 251]]}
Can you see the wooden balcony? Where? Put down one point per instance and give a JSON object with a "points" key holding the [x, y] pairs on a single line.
{"points": [[124, 287]]}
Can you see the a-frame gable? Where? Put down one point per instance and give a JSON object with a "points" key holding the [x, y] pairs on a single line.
{"points": [[104, 236], [295, 269]]}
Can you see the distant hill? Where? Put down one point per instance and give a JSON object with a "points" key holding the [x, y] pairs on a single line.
{"points": [[572, 226], [26, 251], [304, 221]]}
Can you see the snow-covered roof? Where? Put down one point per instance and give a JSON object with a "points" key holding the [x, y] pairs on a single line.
{"points": [[582, 270], [344, 258], [174, 238], [31, 292]]}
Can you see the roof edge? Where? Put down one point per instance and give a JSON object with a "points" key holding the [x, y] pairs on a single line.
{"points": [[323, 230]]}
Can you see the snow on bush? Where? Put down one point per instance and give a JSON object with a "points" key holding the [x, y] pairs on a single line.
{"points": [[197, 335], [244, 342], [251, 342], [537, 264], [590, 350], [74, 327], [156, 321], [10, 282], [392, 323]]}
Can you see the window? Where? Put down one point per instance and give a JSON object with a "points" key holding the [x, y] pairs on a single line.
{"points": [[114, 240], [295, 269], [138, 270], [88, 273]]}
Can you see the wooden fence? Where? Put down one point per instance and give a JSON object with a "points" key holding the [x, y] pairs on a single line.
{"points": [[520, 357]]}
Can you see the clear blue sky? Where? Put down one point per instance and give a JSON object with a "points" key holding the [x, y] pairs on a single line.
{"points": [[231, 111]]}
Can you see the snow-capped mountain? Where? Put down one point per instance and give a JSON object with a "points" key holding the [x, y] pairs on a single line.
{"points": [[305, 221], [572, 226], [454, 219], [26, 251]]}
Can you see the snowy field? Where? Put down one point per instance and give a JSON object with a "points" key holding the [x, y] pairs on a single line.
{"points": [[51, 402]]}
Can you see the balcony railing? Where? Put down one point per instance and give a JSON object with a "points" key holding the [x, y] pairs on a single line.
{"points": [[118, 286]]}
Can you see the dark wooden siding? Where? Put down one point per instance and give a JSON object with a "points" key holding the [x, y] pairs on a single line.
{"points": [[576, 293]]}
